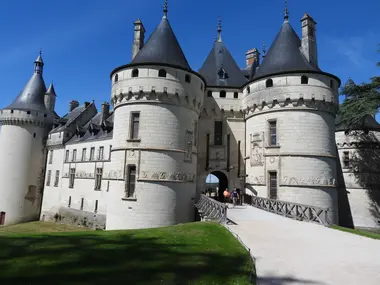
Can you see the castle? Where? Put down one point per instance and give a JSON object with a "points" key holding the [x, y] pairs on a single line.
{"points": [[269, 128]]}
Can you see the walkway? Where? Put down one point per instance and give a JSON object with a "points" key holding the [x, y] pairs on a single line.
{"points": [[293, 252]]}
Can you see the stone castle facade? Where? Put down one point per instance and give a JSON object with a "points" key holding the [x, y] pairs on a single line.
{"points": [[269, 129]]}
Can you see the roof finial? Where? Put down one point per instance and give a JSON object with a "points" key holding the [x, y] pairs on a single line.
{"points": [[264, 50], [219, 30], [40, 51], [286, 11], [165, 8]]}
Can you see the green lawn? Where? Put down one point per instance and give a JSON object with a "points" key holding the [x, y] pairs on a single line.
{"points": [[39, 227], [196, 253], [374, 235]]}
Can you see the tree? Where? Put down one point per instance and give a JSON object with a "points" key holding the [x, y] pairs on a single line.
{"points": [[360, 100]]}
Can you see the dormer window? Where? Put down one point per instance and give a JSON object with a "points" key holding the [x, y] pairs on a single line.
{"points": [[222, 73], [135, 73], [222, 94], [187, 78], [304, 79], [269, 83], [209, 93], [162, 73], [116, 78]]}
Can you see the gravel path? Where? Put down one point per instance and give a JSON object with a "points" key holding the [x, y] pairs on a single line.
{"points": [[293, 252]]}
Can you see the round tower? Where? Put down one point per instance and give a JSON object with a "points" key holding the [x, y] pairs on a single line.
{"points": [[290, 108], [157, 100], [24, 127]]}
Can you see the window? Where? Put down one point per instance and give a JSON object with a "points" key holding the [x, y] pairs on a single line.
{"points": [[109, 157], [116, 78], [96, 206], [56, 180], [67, 155], [272, 185], [236, 95], [98, 178], [74, 157], [71, 177], [218, 133], [2, 218], [304, 79], [50, 157], [84, 154], [269, 83], [131, 181], [45, 115], [201, 86], [92, 153], [272, 133], [11, 111], [209, 93], [222, 94], [101, 153], [195, 133], [135, 122], [81, 203], [248, 89], [135, 73], [34, 135], [162, 73], [48, 178], [346, 159], [187, 78], [331, 84], [69, 205], [28, 112]]}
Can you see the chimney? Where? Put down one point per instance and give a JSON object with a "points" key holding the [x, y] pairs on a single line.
{"points": [[86, 104], [73, 105], [252, 56], [105, 111], [138, 40], [309, 41]]}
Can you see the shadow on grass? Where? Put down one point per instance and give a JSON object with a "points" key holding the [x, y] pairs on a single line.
{"points": [[122, 258]]}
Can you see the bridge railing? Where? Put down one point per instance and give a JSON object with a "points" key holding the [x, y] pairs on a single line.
{"points": [[295, 211], [210, 210]]}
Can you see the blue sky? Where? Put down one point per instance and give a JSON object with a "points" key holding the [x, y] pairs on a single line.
{"points": [[83, 41]]}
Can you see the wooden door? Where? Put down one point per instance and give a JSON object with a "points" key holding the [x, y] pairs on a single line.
{"points": [[2, 218]]}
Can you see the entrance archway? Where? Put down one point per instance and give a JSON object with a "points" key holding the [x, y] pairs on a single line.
{"points": [[218, 182]]}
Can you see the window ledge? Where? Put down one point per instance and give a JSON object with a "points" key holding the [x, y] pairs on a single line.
{"points": [[129, 199], [99, 190], [133, 140], [272, 146]]}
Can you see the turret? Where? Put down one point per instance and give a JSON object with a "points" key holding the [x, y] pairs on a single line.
{"points": [[50, 98], [25, 124]]}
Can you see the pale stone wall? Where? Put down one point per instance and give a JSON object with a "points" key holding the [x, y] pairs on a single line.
{"points": [[361, 185], [165, 155], [22, 155], [305, 156]]}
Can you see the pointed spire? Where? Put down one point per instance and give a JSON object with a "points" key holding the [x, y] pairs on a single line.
{"points": [[219, 30], [286, 11], [165, 8], [39, 64], [51, 90]]}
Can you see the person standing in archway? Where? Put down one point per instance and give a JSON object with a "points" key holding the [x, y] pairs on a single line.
{"points": [[226, 195], [235, 197]]}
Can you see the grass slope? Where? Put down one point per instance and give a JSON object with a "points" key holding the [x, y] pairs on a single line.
{"points": [[196, 253], [374, 235], [39, 227]]}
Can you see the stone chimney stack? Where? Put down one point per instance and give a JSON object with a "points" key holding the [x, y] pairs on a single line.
{"points": [[309, 41], [105, 111], [73, 105], [252, 56], [139, 37]]}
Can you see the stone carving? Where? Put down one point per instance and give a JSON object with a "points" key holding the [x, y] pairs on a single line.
{"points": [[189, 146], [167, 176], [256, 156], [114, 174], [257, 180], [303, 181], [82, 174]]}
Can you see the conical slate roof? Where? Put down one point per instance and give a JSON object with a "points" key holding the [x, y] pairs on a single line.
{"points": [[220, 69], [162, 47], [51, 90], [284, 55], [31, 98], [367, 122]]}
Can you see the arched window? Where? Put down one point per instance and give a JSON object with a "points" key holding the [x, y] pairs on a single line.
{"points": [[116, 78], [209, 93], [304, 79], [162, 73], [135, 73], [248, 89], [236, 95], [331, 84], [222, 94], [269, 83], [187, 78]]}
